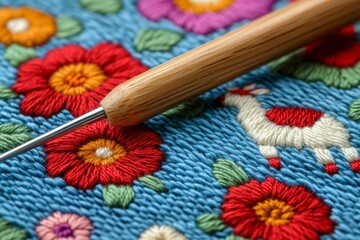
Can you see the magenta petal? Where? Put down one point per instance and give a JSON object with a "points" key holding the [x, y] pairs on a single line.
{"points": [[207, 22], [155, 9]]}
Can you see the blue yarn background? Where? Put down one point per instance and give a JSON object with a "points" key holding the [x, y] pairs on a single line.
{"points": [[27, 195]]}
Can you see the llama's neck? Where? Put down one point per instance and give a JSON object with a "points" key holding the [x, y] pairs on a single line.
{"points": [[251, 111]]}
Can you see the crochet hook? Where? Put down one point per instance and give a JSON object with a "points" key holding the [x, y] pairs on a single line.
{"points": [[212, 64]]}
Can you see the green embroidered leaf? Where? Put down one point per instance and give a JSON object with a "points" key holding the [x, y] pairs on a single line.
{"points": [[118, 196], [188, 109], [156, 40], [228, 173], [9, 231], [102, 6], [295, 66], [234, 237], [16, 54], [67, 27], [153, 183], [210, 223], [354, 111], [6, 93], [12, 135]]}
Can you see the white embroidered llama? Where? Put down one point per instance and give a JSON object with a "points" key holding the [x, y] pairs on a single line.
{"points": [[290, 127]]}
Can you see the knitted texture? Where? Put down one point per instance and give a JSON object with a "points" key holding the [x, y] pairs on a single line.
{"points": [[278, 158]]}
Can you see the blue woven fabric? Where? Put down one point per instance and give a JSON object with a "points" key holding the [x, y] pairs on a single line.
{"points": [[28, 195]]}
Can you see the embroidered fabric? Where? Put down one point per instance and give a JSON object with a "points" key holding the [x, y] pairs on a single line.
{"points": [[276, 159]]}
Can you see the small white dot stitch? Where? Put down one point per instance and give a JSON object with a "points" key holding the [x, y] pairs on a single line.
{"points": [[161, 233], [17, 25], [104, 152]]}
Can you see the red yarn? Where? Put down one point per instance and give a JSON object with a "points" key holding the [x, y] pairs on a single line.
{"points": [[339, 49], [141, 144], [310, 220], [355, 165], [240, 91], [275, 163], [293, 116], [42, 100], [331, 168]]}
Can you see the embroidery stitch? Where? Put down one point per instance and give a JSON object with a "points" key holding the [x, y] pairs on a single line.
{"points": [[291, 127], [28, 194], [354, 110], [189, 109], [161, 232], [103, 7], [156, 40], [204, 16], [12, 135], [16, 54], [334, 60], [60, 226], [111, 156], [25, 26], [6, 93], [67, 27], [118, 196], [73, 78], [10, 231], [134, 153], [269, 210]]}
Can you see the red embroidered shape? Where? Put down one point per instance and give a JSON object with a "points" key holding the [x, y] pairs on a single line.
{"points": [[339, 49], [274, 162], [73, 78], [293, 116], [290, 127], [103, 154], [274, 210]]}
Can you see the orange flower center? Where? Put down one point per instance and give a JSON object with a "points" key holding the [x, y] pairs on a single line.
{"points": [[202, 6], [101, 152], [274, 212], [77, 78]]}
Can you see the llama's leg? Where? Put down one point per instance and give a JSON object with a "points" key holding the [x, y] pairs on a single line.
{"points": [[323, 156], [352, 156], [271, 154]]}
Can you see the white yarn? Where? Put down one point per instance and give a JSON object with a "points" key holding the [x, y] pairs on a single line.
{"points": [[326, 131], [350, 154], [17, 25], [269, 151], [162, 232], [104, 152], [323, 155]]}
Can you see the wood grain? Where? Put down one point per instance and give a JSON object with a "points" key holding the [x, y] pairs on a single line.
{"points": [[224, 58]]}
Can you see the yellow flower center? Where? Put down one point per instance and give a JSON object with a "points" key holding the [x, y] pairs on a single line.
{"points": [[77, 78], [101, 152], [274, 212], [202, 6]]}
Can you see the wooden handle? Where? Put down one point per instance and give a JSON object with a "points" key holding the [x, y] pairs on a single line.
{"points": [[224, 58]]}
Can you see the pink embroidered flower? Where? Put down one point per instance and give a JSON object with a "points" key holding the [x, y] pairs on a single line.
{"points": [[204, 16], [61, 226]]}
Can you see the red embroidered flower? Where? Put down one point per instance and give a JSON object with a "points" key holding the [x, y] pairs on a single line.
{"points": [[103, 154], [73, 78], [274, 210], [339, 49]]}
